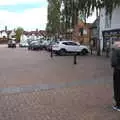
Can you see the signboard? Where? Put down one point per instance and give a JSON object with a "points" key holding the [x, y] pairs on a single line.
{"points": [[110, 36]]}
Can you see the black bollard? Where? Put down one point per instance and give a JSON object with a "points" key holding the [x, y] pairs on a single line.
{"points": [[91, 51], [51, 55], [75, 59]]}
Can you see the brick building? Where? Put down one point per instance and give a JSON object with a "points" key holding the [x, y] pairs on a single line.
{"points": [[83, 28]]}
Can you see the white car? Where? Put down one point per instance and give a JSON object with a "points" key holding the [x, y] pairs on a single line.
{"points": [[63, 47], [23, 44]]}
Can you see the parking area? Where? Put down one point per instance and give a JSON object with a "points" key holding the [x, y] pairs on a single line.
{"points": [[34, 86], [20, 67]]}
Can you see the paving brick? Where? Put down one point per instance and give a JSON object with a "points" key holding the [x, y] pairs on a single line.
{"points": [[79, 92], [19, 67], [87, 102]]}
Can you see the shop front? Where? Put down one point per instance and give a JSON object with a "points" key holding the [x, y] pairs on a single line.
{"points": [[110, 36]]}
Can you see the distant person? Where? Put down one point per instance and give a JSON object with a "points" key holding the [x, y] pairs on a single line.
{"points": [[115, 62]]}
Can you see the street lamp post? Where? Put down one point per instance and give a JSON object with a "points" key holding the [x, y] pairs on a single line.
{"points": [[98, 47]]}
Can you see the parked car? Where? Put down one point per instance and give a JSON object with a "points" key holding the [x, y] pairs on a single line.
{"points": [[23, 44], [35, 45], [63, 47], [44, 44], [50, 44], [11, 44]]}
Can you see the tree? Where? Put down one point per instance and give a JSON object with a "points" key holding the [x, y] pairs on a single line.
{"points": [[19, 31], [53, 25], [73, 8]]}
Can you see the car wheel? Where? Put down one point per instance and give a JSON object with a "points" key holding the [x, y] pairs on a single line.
{"points": [[84, 52], [62, 52]]}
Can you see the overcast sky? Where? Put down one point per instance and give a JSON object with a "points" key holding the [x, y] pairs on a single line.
{"points": [[29, 14]]}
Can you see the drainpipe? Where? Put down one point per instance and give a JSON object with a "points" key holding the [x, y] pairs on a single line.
{"points": [[99, 51]]}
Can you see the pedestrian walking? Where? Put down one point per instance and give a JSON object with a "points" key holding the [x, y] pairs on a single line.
{"points": [[115, 62]]}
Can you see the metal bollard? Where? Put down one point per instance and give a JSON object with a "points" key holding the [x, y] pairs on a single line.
{"points": [[91, 51], [75, 59], [51, 55], [107, 53]]}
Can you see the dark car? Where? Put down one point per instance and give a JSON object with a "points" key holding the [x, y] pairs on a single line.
{"points": [[11, 44], [35, 45]]}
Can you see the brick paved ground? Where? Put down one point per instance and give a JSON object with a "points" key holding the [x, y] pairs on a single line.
{"points": [[21, 67], [86, 102], [89, 101]]}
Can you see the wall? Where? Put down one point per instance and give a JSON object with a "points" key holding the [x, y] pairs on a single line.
{"points": [[115, 23], [85, 39]]}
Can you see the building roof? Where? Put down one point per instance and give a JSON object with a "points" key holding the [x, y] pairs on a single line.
{"points": [[36, 33]]}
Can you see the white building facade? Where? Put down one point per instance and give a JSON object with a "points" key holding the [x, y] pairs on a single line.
{"points": [[109, 29], [12, 34], [32, 37]]}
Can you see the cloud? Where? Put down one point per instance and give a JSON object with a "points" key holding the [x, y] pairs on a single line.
{"points": [[15, 2], [29, 19]]}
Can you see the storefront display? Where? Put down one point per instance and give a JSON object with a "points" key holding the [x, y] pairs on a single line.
{"points": [[110, 36]]}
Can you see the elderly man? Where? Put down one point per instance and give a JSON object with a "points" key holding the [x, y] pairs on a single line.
{"points": [[115, 62]]}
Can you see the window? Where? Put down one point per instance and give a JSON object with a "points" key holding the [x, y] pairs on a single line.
{"points": [[57, 42], [69, 43], [85, 31], [81, 30], [72, 43], [65, 43]]}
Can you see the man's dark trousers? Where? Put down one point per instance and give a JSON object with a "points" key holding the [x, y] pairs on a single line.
{"points": [[116, 86]]}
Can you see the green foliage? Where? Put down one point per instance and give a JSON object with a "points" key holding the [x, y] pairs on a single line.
{"points": [[53, 16], [19, 31], [72, 8]]}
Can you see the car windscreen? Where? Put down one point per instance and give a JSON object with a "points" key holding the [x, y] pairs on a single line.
{"points": [[34, 42]]}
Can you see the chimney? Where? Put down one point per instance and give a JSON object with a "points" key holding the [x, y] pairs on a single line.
{"points": [[36, 30], [5, 28]]}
